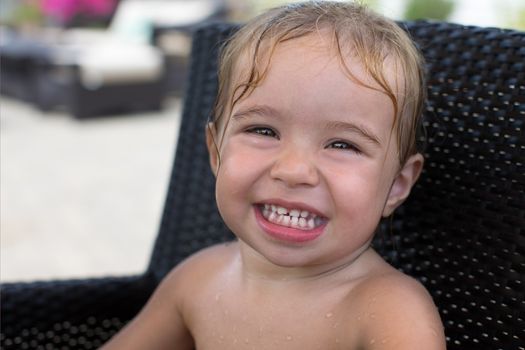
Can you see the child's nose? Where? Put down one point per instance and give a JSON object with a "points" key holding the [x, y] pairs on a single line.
{"points": [[295, 168]]}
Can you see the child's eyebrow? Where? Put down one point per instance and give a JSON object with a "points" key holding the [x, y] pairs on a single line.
{"points": [[351, 127], [262, 110]]}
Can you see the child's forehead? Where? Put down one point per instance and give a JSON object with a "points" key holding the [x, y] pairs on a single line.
{"points": [[252, 65], [304, 78], [318, 47], [319, 42]]}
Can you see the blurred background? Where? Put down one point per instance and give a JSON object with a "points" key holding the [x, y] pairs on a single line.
{"points": [[91, 95]]}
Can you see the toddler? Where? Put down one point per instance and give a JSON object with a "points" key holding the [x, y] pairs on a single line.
{"points": [[313, 141]]}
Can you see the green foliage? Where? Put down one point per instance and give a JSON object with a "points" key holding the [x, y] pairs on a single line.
{"points": [[519, 20], [25, 13], [429, 9], [520, 23]]}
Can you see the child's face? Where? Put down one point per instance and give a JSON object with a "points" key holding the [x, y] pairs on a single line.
{"points": [[317, 144]]}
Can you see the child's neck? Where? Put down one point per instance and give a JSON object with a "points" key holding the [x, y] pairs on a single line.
{"points": [[256, 268]]}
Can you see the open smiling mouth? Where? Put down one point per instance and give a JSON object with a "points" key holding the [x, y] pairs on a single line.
{"points": [[294, 218], [291, 225]]}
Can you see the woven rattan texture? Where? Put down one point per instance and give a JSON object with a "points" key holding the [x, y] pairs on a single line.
{"points": [[463, 230], [191, 220], [462, 233], [76, 314]]}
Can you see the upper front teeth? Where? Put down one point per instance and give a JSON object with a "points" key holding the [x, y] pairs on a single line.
{"points": [[301, 219], [283, 211]]}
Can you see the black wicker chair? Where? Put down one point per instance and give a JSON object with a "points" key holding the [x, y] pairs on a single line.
{"points": [[462, 232]]}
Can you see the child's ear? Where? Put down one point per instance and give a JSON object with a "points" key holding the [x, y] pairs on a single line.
{"points": [[405, 179], [211, 137]]}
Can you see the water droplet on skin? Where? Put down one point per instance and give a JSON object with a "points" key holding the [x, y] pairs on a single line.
{"points": [[217, 296], [384, 341], [337, 341], [330, 314], [372, 341], [235, 340], [246, 341], [289, 337], [372, 316], [371, 302]]}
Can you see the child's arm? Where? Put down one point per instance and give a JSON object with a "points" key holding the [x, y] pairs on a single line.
{"points": [[399, 314], [159, 325]]}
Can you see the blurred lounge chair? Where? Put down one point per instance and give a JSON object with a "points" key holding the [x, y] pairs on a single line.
{"points": [[95, 72]]}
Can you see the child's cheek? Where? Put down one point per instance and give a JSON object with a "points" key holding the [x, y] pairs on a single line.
{"points": [[239, 169], [359, 190], [237, 183]]}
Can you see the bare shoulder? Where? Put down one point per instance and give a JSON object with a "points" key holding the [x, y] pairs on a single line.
{"points": [[162, 323], [201, 268], [396, 312]]}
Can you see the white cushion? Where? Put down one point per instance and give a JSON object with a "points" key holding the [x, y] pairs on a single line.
{"points": [[134, 19], [119, 63]]}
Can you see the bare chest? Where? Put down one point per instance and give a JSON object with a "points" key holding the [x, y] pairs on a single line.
{"points": [[296, 323]]}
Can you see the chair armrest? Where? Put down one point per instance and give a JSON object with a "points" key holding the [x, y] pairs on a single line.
{"points": [[72, 313]]}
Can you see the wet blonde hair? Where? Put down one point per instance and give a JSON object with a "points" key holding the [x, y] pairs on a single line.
{"points": [[370, 37]]}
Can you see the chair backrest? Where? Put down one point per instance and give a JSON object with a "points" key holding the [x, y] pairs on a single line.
{"points": [[462, 232]]}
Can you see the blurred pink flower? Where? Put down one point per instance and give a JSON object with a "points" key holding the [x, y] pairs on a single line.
{"points": [[65, 10]]}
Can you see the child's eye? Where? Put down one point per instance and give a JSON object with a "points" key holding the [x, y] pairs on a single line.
{"points": [[263, 131], [342, 145]]}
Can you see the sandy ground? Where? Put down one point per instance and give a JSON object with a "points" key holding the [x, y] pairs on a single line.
{"points": [[81, 198]]}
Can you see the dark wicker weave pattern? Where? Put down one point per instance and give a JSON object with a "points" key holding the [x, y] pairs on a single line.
{"points": [[462, 232], [76, 314]]}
